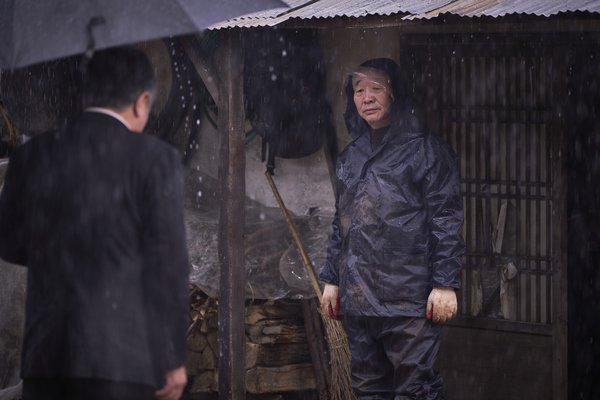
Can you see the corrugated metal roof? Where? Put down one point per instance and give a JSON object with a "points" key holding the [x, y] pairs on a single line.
{"points": [[313, 9], [409, 9], [499, 8]]}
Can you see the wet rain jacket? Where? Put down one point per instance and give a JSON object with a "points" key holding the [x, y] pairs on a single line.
{"points": [[399, 212]]}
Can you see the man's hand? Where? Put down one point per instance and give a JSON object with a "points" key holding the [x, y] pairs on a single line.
{"points": [[330, 302], [175, 381], [441, 305]]}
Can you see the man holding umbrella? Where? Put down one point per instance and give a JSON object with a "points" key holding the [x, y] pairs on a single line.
{"points": [[95, 211]]}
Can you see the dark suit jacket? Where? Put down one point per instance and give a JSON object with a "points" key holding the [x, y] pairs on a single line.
{"points": [[95, 212]]}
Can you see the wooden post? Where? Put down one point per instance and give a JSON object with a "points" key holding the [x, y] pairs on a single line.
{"points": [[559, 240], [317, 346], [203, 67], [232, 383]]}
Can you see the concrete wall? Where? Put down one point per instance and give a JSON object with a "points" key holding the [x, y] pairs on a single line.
{"points": [[303, 183]]}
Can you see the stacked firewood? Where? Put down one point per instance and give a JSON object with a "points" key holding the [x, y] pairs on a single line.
{"points": [[277, 353]]}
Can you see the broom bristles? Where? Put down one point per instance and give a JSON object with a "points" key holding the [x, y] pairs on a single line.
{"points": [[339, 350], [339, 356]]}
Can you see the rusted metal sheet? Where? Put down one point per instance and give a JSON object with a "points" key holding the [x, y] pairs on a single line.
{"points": [[307, 9], [406, 9], [499, 8]]}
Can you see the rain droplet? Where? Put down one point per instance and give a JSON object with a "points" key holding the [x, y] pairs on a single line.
{"points": [[262, 216], [199, 194], [284, 53], [273, 77], [197, 121]]}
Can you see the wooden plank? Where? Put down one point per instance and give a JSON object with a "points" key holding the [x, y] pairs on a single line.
{"points": [[275, 332], [204, 382], [203, 67], [317, 346], [486, 364], [277, 355], [297, 377], [232, 281], [196, 342], [198, 362], [559, 237]]}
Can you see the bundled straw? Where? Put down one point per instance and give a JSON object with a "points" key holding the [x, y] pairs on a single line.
{"points": [[337, 341]]}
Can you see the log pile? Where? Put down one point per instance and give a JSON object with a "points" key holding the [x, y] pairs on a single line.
{"points": [[277, 353]]}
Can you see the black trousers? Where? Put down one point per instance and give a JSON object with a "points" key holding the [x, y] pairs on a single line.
{"points": [[393, 358], [84, 389]]}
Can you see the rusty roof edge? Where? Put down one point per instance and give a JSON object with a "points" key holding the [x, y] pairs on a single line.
{"points": [[290, 15], [451, 8], [437, 11], [422, 17], [294, 9]]}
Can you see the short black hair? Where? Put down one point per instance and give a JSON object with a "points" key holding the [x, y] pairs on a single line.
{"points": [[115, 77]]}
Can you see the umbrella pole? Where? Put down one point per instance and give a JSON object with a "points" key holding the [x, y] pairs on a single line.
{"points": [[337, 341]]}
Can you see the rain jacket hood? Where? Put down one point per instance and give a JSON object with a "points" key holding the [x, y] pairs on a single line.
{"points": [[402, 112], [396, 232]]}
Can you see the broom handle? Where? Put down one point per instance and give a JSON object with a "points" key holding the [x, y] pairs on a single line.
{"points": [[305, 260]]}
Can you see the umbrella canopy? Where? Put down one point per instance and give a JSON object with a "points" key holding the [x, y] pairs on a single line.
{"points": [[33, 31]]}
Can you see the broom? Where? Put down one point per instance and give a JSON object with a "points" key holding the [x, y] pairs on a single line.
{"points": [[337, 341]]}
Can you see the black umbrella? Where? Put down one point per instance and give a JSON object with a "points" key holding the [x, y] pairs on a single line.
{"points": [[33, 31]]}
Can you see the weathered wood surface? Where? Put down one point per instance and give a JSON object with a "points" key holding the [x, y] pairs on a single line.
{"points": [[493, 365], [295, 377], [277, 353], [12, 393], [231, 231], [317, 347]]}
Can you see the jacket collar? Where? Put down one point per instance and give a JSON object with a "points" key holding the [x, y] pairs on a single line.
{"points": [[109, 112]]}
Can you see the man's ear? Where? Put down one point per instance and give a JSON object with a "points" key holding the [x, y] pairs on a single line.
{"points": [[141, 105]]}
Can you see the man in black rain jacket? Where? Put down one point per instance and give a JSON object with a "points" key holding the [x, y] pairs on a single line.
{"points": [[394, 257]]}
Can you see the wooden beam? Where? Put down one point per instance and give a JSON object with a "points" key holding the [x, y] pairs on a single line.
{"points": [[559, 237], [203, 67], [231, 312], [317, 346]]}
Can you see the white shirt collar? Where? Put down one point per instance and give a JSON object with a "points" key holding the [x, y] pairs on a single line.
{"points": [[111, 113]]}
